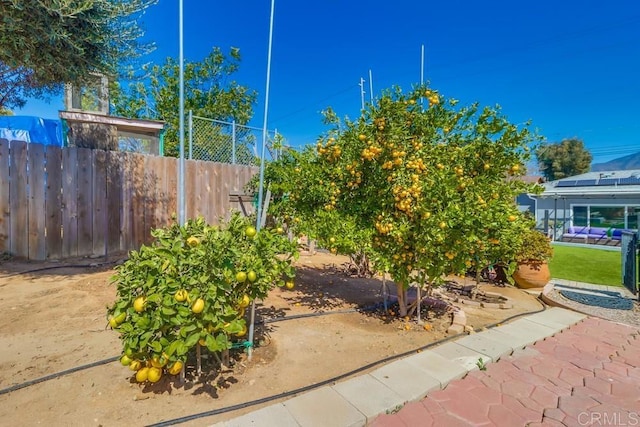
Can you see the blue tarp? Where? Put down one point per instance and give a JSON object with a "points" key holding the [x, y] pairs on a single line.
{"points": [[31, 129]]}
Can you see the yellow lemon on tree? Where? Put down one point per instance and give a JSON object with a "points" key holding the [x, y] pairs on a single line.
{"points": [[139, 303], [125, 360], [202, 342], [198, 306], [176, 368], [512, 218], [243, 332], [241, 277], [193, 241], [279, 230], [158, 362], [112, 322], [181, 295], [289, 284], [135, 365], [245, 301], [250, 232], [252, 276], [142, 374], [154, 375]]}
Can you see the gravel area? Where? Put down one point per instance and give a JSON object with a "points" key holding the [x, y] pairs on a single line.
{"points": [[629, 317]]}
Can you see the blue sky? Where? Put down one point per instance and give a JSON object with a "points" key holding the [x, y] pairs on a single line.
{"points": [[570, 67]]}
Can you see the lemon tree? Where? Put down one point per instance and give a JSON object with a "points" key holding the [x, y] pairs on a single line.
{"points": [[428, 185], [191, 286]]}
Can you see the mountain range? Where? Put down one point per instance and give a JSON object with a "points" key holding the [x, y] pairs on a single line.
{"points": [[632, 161]]}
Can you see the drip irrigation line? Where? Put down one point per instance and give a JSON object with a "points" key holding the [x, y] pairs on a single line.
{"points": [[330, 380], [273, 397], [58, 375], [244, 344], [305, 315]]}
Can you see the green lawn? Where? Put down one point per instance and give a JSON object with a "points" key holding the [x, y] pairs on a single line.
{"points": [[598, 266]]}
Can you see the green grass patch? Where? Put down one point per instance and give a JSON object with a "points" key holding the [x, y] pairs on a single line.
{"points": [[590, 265]]}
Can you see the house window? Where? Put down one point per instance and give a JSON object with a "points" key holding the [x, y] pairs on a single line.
{"points": [[620, 217], [580, 216], [607, 216]]}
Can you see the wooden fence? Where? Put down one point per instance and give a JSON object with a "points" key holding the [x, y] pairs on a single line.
{"points": [[57, 203]]}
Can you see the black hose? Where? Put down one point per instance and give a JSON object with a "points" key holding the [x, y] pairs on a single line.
{"points": [[302, 316], [329, 381], [268, 398], [57, 375]]}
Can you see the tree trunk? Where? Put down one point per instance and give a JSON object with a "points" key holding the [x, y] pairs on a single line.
{"points": [[402, 300]]}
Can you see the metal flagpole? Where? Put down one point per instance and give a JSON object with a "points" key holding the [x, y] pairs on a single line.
{"points": [[181, 195], [262, 160], [371, 87], [422, 66]]}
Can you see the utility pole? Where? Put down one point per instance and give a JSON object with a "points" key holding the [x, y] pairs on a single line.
{"points": [[362, 92]]}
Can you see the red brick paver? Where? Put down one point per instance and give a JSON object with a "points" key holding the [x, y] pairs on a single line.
{"points": [[586, 375]]}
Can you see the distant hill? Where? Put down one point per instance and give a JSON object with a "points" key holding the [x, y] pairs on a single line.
{"points": [[632, 161]]}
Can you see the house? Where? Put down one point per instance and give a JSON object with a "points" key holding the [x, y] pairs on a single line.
{"points": [[602, 201]]}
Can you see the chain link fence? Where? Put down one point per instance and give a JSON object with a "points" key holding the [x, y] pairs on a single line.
{"points": [[228, 142]]}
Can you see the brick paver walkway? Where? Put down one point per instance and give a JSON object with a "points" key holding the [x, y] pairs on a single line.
{"points": [[588, 375]]}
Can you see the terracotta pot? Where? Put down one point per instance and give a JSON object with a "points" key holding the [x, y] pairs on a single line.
{"points": [[532, 275]]}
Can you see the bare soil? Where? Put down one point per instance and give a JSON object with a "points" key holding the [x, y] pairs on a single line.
{"points": [[54, 320]]}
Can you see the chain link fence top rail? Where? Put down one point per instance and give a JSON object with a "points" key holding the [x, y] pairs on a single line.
{"points": [[227, 142]]}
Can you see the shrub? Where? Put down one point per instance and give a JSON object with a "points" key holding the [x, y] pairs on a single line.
{"points": [[191, 286]]}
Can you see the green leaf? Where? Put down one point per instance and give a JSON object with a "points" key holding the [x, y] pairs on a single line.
{"points": [[167, 311], [192, 340]]}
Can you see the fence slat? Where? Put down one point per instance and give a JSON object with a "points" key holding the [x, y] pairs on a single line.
{"points": [[36, 215], [157, 164], [69, 202], [99, 194], [126, 212], [138, 196], [189, 188], [53, 202], [20, 203], [85, 202], [5, 209], [198, 191], [152, 182], [114, 202], [171, 189]]}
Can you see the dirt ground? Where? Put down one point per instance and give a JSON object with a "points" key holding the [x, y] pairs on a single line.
{"points": [[53, 320]]}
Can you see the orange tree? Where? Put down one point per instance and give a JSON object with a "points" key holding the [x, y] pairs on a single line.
{"points": [[429, 186], [191, 287]]}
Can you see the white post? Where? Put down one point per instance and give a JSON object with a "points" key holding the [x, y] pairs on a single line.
{"points": [[422, 66], [262, 158], [362, 92], [371, 87], [181, 195]]}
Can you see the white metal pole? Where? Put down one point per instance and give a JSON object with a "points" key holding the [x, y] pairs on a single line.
{"points": [[371, 86], [422, 66], [362, 92], [181, 195], [262, 159]]}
